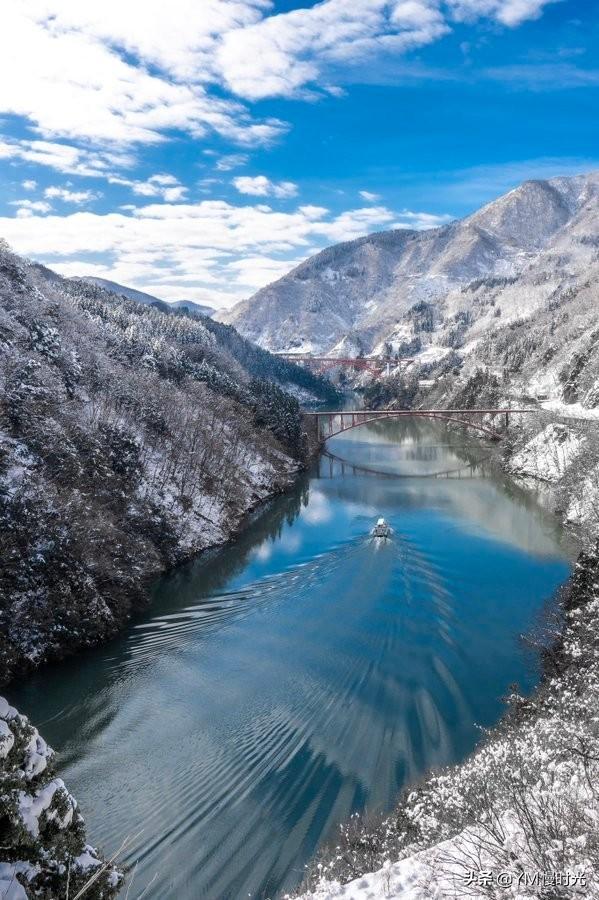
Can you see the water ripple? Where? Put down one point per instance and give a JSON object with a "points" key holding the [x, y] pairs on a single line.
{"points": [[297, 676]]}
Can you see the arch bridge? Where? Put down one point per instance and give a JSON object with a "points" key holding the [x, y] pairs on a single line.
{"points": [[330, 424]]}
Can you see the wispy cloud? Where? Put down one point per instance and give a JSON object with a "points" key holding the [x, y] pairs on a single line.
{"points": [[160, 185], [544, 76], [231, 161], [369, 196], [65, 158], [421, 220], [507, 12]]}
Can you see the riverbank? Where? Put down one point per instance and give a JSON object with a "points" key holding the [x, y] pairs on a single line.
{"points": [[156, 535], [520, 818]]}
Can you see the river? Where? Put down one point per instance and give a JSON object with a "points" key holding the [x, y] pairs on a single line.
{"points": [[305, 672]]}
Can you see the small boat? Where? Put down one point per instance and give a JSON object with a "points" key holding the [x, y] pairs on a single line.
{"points": [[381, 529]]}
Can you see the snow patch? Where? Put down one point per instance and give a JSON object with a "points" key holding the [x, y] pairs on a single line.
{"points": [[584, 506], [10, 887], [548, 455], [31, 807], [7, 739]]}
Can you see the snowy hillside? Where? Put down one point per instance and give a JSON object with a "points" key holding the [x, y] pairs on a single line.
{"points": [[129, 440], [436, 291]]}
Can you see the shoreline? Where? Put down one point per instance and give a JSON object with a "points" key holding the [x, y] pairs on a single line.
{"points": [[278, 489]]}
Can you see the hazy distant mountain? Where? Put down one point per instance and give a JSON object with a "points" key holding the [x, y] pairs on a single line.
{"points": [[193, 308], [196, 309], [431, 292]]}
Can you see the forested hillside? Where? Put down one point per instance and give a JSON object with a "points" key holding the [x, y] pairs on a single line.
{"points": [[129, 440]]}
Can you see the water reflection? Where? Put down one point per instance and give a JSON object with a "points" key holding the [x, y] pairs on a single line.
{"points": [[305, 672]]}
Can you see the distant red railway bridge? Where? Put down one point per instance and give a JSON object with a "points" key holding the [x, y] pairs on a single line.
{"points": [[329, 424], [377, 365]]}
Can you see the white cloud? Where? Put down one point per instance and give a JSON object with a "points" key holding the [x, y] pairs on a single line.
{"points": [[67, 196], [369, 196], [26, 208], [212, 250], [29, 184], [64, 158], [261, 186], [113, 72], [257, 271], [177, 37], [161, 185], [508, 12], [283, 55], [120, 73], [421, 220]]}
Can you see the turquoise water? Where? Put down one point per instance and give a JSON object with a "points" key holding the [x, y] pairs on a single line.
{"points": [[305, 672]]}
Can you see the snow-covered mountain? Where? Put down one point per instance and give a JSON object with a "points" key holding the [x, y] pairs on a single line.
{"points": [[431, 292], [196, 309], [129, 441]]}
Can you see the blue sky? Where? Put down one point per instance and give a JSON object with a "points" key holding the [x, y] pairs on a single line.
{"points": [[199, 149]]}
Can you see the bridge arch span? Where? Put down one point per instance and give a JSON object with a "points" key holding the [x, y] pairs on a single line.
{"points": [[359, 419]]}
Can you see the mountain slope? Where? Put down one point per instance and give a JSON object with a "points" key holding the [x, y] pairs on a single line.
{"points": [[129, 440], [433, 291], [197, 309]]}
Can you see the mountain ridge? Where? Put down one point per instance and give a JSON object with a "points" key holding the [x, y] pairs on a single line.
{"points": [[199, 309], [362, 294]]}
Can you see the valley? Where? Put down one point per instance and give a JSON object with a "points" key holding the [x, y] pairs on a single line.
{"points": [[174, 527], [299, 450]]}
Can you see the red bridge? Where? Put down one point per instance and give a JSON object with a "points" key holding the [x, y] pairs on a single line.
{"points": [[322, 364], [330, 424]]}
